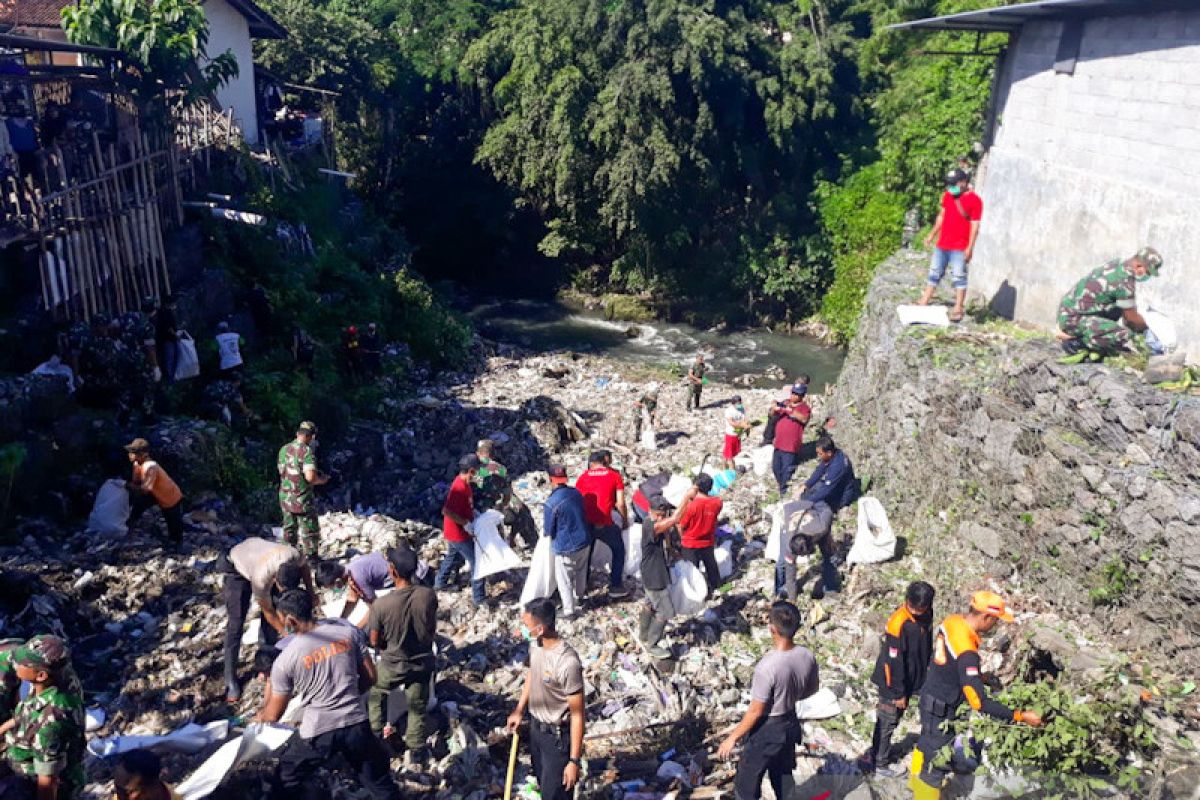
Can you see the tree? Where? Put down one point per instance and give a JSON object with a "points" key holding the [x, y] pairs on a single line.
{"points": [[167, 40]]}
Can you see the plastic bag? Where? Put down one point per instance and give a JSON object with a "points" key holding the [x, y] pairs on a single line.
{"points": [[492, 553], [189, 739], [110, 512], [688, 589], [187, 364], [56, 368], [875, 541], [1161, 335], [540, 581], [761, 458], [783, 515]]}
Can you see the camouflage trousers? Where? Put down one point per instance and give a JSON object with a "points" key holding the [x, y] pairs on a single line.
{"points": [[1097, 334], [301, 529]]}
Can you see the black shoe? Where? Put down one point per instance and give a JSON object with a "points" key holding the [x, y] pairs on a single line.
{"points": [[1072, 346]]}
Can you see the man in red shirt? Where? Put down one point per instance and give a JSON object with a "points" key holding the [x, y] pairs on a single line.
{"points": [[955, 230], [698, 517], [603, 492], [458, 512], [790, 418]]}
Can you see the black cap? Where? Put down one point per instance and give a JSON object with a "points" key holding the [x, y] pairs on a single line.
{"points": [[403, 560], [557, 471], [737, 398], [956, 176], [470, 461]]}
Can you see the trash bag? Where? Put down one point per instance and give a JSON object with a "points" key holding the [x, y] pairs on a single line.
{"points": [[724, 555], [188, 739], [602, 555], [1161, 334], [540, 580], [648, 441], [822, 705], [110, 512], [675, 489], [875, 541], [761, 458], [492, 553], [785, 519], [56, 368], [187, 364], [722, 480], [688, 589]]}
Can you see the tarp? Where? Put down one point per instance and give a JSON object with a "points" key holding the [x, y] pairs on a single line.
{"points": [[257, 741], [875, 541], [492, 553]]}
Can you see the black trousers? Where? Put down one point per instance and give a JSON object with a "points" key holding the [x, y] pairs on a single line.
{"points": [[706, 557], [935, 735], [173, 516], [550, 749], [887, 718], [237, 593], [770, 750], [302, 758]]}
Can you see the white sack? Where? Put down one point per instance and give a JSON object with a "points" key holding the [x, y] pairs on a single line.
{"points": [[187, 364], [688, 589], [1163, 328], [110, 512], [923, 315], [724, 555], [540, 581], [56, 368], [675, 489], [822, 705], [632, 537], [256, 742], [875, 541], [782, 519], [189, 739], [761, 458], [648, 441], [492, 553]]}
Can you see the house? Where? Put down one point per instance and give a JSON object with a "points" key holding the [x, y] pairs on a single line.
{"points": [[1093, 150], [232, 24]]}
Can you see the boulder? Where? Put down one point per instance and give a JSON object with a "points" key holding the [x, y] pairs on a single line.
{"points": [[983, 538]]}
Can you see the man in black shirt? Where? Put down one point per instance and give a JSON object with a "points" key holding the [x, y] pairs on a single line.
{"points": [[656, 579]]}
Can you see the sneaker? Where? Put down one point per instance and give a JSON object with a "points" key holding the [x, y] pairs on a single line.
{"points": [[891, 771], [659, 652], [618, 593]]}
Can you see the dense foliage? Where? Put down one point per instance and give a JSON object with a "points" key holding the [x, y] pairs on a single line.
{"points": [[705, 151]]}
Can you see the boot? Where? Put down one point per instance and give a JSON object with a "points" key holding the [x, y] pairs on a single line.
{"points": [[644, 619], [655, 633]]}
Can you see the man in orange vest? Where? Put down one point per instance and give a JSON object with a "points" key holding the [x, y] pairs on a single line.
{"points": [[953, 677], [151, 485]]}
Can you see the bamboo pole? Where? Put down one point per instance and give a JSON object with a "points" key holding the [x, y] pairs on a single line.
{"points": [[87, 245], [123, 223], [105, 199], [137, 223], [156, 220], [75, 259]]}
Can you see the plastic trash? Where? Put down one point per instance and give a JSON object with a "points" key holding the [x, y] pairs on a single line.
{"points": [[257, 741], [189, 739], [1161, 334], [540, 581], [110, 512], [822, 705], [188, 363], [94, 719], [688, 589], [56, 368], [602, 555], [722, 480], [492, 553], [874, 542]]}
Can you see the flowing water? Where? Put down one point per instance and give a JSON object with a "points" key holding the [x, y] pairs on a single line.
{"points": [[553, 326]]}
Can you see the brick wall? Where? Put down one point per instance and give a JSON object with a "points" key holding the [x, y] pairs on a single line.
{"points": [[1091, 166]]}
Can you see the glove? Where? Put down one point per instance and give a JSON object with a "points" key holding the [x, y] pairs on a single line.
{"points": [[157, 375]]}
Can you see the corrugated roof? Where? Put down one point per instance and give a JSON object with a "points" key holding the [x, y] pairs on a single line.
{"points": [[27, 14], [1006, 19]]}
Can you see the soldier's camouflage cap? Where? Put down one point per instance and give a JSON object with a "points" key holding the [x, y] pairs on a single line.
{"points": [[307, 427], [1151, 258], [42, 652]]}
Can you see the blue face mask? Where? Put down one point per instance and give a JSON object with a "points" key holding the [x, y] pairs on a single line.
{"points": [[527, 634], [1143, 278], [955, 190]]}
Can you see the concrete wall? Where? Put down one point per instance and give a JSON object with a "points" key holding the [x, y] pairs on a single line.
{"points": [[229, 30], [1091, 166]]}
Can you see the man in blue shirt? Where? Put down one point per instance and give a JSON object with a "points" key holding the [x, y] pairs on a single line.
{"points": [[566, 525], [834, 484]]}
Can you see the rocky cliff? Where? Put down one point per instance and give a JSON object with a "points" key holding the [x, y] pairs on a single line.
{"points": [[1076, 487]]}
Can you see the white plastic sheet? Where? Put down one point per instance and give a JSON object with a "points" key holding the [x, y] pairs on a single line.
{"points": [[187, 364], [875, 541], [923, 315], [110, 512], [492, 553], [540, 581], [257, 741], [688, 589], [191, 738]]}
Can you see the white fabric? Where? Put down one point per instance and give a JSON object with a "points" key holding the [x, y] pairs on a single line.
{"points": [[492, 553], [688, 589], [110, 512], [189, 739], [229, 348], [761, 458], [648, 441], [675, 489], [875, 541], [724, 555], [187, 364], [257, 741], [733, 415], [540, 582], [923, 315]]}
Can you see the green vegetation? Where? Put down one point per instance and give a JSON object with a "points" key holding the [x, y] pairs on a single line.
{"points": [[12, 456], [1085, 747], [1114, 580]]}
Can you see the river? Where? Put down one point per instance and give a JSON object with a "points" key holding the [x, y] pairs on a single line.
{"points": [[554, 326]]}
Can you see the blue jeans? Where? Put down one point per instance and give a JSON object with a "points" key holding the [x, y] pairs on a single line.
{"points": [[458, 554], [957, 259], [611, 536], [783, 465]]}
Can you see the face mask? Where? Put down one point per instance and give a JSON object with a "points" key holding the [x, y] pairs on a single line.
{"points": [[527, 634], [955, 191], [1143, 278]]}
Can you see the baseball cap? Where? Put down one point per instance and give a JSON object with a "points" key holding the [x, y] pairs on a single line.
{"points": [[42, 652], [138, 445], [404, 560], [800, 389], [469, 461], [557, 473], [222, 326], [955, 176], [1151, 258], [307, 427], [737, 398], [991, 603]]}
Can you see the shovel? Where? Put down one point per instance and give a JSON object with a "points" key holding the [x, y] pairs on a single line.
{"points": [[512, 765]]}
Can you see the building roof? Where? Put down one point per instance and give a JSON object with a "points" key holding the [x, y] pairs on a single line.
{"points": [[49, 46], [29, 14], [1006, 19]]}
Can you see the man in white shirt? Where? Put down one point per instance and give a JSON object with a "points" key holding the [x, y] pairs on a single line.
{"points": [[229, 347]]}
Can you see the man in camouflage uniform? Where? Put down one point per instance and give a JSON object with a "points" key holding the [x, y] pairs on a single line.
{"points": [[645, 407], [1091, 314], [44, 739], [223, 401], [297, 476], [492, 488]]}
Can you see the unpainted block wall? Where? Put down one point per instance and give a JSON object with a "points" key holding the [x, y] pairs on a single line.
{"points": [[1090, 166], [229, 30]]}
